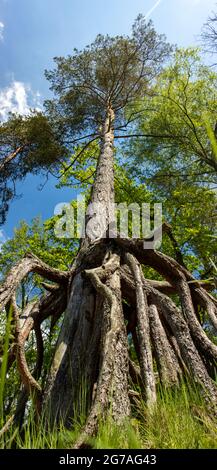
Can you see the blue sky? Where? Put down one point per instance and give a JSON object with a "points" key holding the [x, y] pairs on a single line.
{"points": [[32, 32]]}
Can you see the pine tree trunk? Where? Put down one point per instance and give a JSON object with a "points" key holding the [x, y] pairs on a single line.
{"points": [[90, 364]]}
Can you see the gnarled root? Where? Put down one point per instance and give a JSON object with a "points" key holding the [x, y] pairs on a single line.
{"points": [[106, 298]]}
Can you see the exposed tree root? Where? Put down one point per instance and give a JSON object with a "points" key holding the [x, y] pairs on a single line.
{"points": [[7, 426], [168, 366], [143, 332], [28, 264], [110, 299], [29, 382]]}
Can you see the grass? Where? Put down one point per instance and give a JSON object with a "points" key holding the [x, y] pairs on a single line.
{"points": [[180, 420], [3, 369]]}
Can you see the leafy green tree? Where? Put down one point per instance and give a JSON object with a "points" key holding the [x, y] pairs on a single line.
{"points": [[27, 145], [176, 131], [175, 155], [37, 238]]}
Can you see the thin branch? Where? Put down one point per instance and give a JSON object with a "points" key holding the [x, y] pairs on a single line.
{"points": [[77, 156], [152, 136], [11, 157]]}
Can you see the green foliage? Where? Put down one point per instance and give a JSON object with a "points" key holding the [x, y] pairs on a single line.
{"points": [[181, 103], [27, 145], [176, 156], [112, 436], [37, 238], [79, 169], [109, 72], [34, 136]]}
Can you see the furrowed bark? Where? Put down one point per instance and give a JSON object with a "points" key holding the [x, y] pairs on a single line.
{"points": [[176, 275], [168, 366], [143, 331], [77, 344], [187, 347], [112, 390], [100, 211], [181, 332]]}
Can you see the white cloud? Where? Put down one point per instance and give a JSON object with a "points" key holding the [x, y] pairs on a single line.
{"points": [[3, 238], [2, 27], [18, 98]]}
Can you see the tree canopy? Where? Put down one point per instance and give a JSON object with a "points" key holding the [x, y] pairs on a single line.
{"points": [[110, 72], [27, 145]]}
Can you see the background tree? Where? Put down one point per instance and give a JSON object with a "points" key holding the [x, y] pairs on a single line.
{"points": [[27, 145], [181, 123], [209, 34], [175, 154]]}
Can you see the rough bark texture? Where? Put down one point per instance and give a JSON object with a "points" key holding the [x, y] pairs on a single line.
{"points": [[100, 212], [168, 365], [112, 391], [76, 352], [143, 332]]}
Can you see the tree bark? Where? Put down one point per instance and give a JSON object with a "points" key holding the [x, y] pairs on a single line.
{"points": [[91, 350], [168, 365], [143, 331]]}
